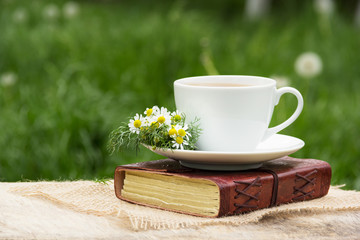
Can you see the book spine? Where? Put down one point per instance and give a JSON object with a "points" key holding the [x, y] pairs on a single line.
{"points": [[245, 193], [268, 188], [304, 184]]}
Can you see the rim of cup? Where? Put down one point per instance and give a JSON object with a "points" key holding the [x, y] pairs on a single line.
{"points": [[251, 81]]}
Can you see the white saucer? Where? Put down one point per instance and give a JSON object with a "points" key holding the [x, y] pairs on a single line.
{"points": [[275, 147]]}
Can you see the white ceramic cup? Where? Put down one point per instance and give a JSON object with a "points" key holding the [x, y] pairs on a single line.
{"points": [[232, 118]]}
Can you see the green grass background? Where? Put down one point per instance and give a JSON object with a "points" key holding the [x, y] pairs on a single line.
{"points": [[80, 78]]}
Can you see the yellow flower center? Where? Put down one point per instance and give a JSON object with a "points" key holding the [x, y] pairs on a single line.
{"points": [[161, 119], [179, 140], [149, 112], [177, 118], [137, 123], [172, 132], [182, 132]]}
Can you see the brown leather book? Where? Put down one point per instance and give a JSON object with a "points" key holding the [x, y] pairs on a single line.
{"points": [[165, 184]]}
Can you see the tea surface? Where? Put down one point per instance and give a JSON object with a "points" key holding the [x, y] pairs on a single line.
{"points": [[218, 84]]}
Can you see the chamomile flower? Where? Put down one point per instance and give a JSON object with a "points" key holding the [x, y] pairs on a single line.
{"points": [[146, 122], [136, 123], [182, 131], [156, 128], [176, 116], [149, 112], [156, 110], [152, 121], [179, 143], [149, 117], [172, 131], [163, 117]]}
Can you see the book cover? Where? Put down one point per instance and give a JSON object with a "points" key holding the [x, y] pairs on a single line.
{"points": [[165, 184]]}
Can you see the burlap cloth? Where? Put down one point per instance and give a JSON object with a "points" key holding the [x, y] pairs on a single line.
{"points": [[83, 209]]}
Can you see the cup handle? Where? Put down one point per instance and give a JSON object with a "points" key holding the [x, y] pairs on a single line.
{"points": [[279, 93]]}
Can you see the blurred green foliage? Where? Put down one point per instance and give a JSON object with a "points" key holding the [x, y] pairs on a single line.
{"points": [[77, 78]]}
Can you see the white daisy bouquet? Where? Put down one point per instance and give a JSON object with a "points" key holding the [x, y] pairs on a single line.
{"points": [[158, 128]]}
